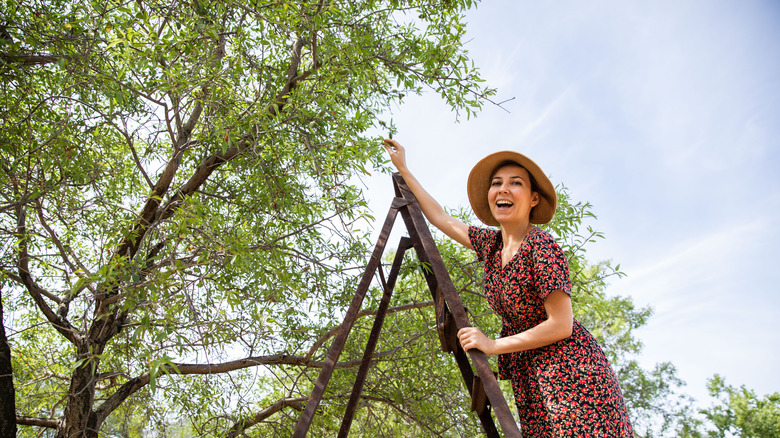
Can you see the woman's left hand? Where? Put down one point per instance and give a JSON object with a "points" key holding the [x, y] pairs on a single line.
{"points": [[472, 337]]}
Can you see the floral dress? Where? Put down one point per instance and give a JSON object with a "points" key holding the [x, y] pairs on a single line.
{"points": [[568, 388]]}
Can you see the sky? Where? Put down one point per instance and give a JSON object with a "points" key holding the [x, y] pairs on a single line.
{"points": [[665, 116]]}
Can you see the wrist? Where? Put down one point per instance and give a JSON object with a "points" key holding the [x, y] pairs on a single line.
{"points": [[491, 347], [498, 346]]}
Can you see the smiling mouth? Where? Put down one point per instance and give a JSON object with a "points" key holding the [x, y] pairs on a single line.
{"points": [[504, 204]]}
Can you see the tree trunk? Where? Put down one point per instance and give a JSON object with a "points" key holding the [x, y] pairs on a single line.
{"points": [[79, 419], [7, 395]]}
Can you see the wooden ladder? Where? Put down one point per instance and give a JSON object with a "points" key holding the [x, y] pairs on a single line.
{"points": [[450, 317]]}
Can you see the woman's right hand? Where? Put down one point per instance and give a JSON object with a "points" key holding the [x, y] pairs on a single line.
{"points": [[435, 214], [397, 153]]}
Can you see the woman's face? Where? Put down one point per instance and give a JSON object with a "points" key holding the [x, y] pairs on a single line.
{"points": [[510, 195]]}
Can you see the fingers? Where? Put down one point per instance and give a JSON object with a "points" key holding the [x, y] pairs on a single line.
{"points": [[472, 338], [392, 145], [396, 152], [468, 337]]}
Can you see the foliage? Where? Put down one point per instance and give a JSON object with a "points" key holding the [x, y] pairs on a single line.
{"points": [[176, 215], [741, 411]]}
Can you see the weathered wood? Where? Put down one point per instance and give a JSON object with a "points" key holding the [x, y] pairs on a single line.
{"points": [[450, 316], [373, 338], [349, 319], [415, 221]]}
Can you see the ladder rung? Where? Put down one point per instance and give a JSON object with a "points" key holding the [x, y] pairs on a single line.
{"points": [[479, 399], [448, 333]]}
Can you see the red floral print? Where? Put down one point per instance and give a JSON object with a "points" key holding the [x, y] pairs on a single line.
{"points": [[568, 388]]}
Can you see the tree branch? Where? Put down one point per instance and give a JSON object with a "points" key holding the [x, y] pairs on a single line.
{"points": [[28, 59], [133, 385], [211, 163], [60, 247], [292, 78], [50, 423], [403, 412], [36, 292], [242, 425]]}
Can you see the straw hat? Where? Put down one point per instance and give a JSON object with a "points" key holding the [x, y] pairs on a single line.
{"points": [[479, 183]]}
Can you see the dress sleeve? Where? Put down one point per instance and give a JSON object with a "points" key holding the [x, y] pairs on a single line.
{"points": [[551, 269], [482, 240]]}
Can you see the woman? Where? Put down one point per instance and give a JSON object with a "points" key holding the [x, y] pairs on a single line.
{"points": [[562, 382]]}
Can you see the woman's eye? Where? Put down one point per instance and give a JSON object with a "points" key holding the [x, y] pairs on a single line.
{"points": [[495, 183]]}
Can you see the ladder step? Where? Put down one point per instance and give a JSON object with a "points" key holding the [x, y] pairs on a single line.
{"points": [[479, 399], [448, 332]]}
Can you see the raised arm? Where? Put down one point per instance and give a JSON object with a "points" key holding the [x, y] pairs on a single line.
{"points": [[452, 227]]}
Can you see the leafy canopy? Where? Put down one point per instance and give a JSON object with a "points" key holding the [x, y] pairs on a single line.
{"points": [[176, 198]]}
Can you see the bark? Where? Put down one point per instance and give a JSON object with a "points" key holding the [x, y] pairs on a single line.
{"points": [[79, 419], [48, 423], [7, 395], [30, 59]]}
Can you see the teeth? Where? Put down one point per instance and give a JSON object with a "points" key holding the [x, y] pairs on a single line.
{"points": [[503, 203]]}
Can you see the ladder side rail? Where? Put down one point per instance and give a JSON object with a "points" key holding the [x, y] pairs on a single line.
{"points": [[442, 315], [373, 338], [415, 220], [440, 306], [302, 427], [468, 378]]}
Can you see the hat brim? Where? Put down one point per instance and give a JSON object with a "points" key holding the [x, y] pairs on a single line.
{"points": [[479, 183]]}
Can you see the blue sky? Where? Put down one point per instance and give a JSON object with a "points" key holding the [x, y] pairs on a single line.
{"points": [[665, 115]]}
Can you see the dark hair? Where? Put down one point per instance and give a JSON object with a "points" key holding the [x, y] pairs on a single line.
{"points": [[534, 186]]}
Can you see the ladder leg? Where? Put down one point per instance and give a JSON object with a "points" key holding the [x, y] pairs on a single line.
{"points": [[302, 428], [349, 413]]}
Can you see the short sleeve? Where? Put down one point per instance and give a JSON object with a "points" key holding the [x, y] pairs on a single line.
{"points": [[482, 239], [550, 267]]}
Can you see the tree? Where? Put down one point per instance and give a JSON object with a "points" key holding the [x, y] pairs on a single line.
{"points": [[177, 205], [741, 412]]}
